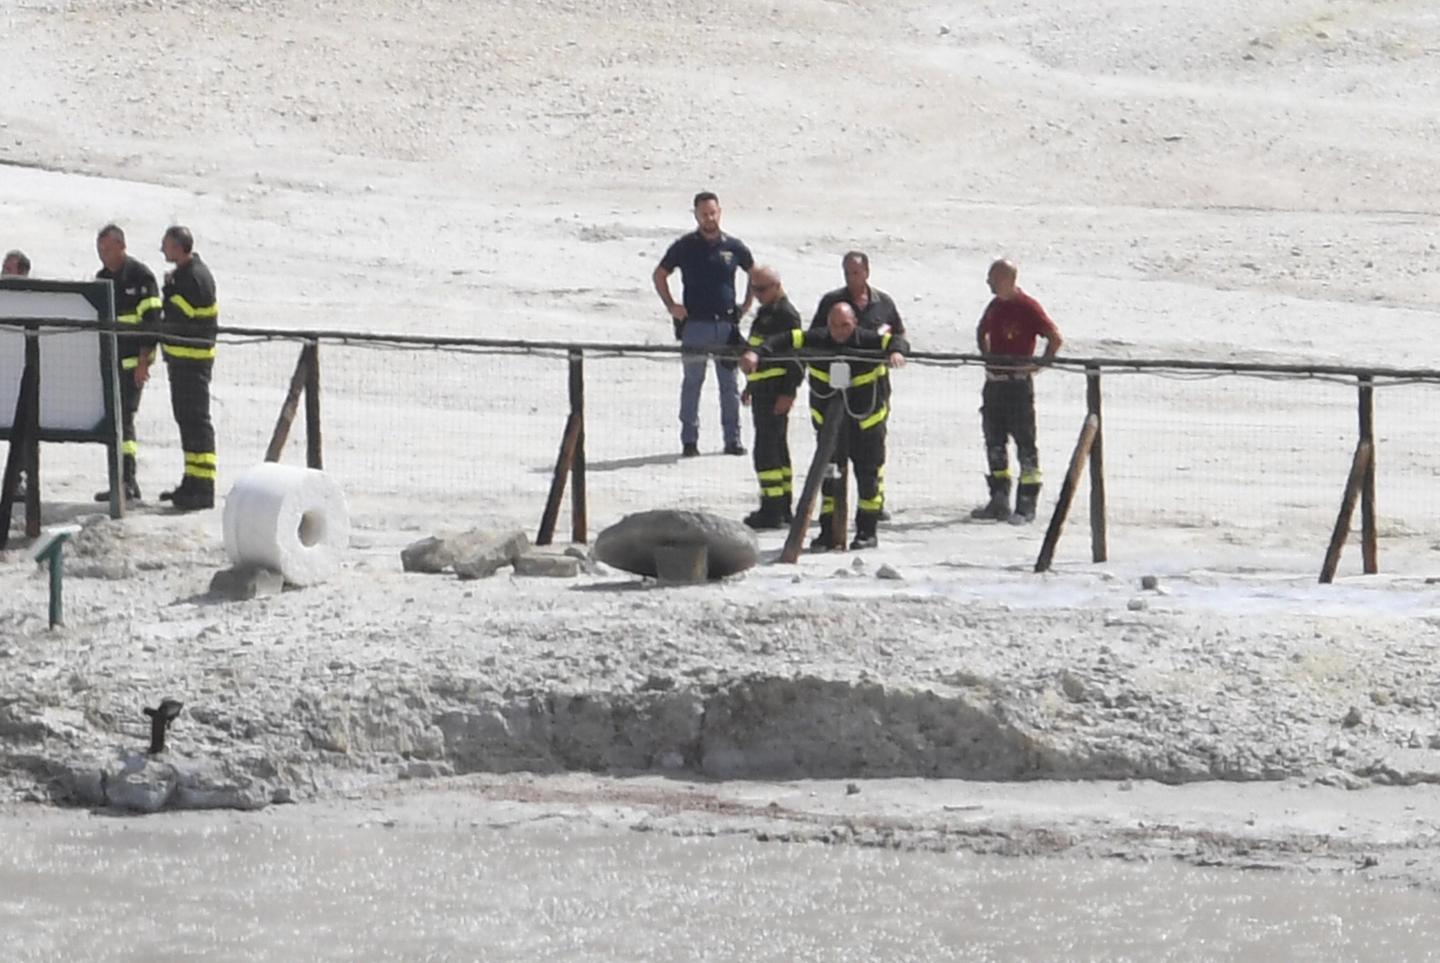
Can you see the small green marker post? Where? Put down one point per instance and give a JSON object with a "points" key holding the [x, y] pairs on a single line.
{"points": [[54, 554]]}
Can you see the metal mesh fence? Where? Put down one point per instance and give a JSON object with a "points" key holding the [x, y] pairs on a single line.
{"points": [[473, 430]]}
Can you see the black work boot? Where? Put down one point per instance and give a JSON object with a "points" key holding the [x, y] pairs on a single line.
{"points": [[865, 531], [186, 483], [132, 487], [998, 507], [825, 541], [770, 514], [1025, 502], [200, 495]]}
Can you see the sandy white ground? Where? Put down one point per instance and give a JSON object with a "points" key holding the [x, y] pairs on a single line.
{"points": [[1205, 181]]}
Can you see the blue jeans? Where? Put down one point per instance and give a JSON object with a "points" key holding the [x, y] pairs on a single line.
{"points": [[700, 335]]}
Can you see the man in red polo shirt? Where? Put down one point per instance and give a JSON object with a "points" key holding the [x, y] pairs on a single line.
{"points": [[1008, 328]]}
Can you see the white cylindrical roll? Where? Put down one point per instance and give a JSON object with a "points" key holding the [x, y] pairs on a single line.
{"points": [[291, 520]]}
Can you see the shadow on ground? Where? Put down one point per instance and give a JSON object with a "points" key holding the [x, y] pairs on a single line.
{"points": [[619, 464]]}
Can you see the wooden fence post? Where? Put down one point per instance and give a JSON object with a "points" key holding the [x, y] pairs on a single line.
{"points": [[1088, 431], [579, 520], [571, 443], [314, 447], [298, 381], [819, 466], [1369, 549], [23, 455], [1099, 536], [31, 450], [1358, 467]]}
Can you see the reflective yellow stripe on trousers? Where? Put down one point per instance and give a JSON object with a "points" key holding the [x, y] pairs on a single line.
{"points": [[188, 353], [200, 464]]}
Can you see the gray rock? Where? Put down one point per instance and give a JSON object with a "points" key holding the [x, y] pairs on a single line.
{"points": [[82, 785], [1149, 582], [212, 784], [246, 582], [481, 555], [140, 784], [1352, 718], [577, 551], [630, 543], [1137, 605], [548, 566], [889, 572], [431, 555], [1075, 688], [440, 552]]}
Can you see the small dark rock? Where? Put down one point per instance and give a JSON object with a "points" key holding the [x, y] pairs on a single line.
{"points": [[246, 582], [429, 555]]}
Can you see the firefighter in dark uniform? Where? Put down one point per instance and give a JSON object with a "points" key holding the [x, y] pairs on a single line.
{"points": [[137, 310], [865, 409], [188, 343], [1011, 323], [770, 393], [874, 311]]}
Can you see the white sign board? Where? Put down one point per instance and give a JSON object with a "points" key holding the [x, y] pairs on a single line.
{"points": [[73, 385]]}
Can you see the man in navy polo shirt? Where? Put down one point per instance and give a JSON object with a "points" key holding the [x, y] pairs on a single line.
{"points": [[707, 317]]}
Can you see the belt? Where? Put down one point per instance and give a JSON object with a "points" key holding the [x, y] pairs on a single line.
{"points": [[1007, 375]]}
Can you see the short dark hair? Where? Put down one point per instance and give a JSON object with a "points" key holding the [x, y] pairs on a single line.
{"points": [[181, 236], [860, 256], [111, 230], [704, 196], [21, 261]]}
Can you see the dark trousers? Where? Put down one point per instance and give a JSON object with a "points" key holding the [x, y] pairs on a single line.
{"points": [[190, 402], [129, 405], [1008, 411], [864, 447], [772, 450]]}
